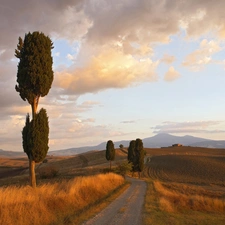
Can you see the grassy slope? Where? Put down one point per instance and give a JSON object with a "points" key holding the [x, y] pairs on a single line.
{"points": [[68, 167], [57, 203], [65, 191], [174, 167]]}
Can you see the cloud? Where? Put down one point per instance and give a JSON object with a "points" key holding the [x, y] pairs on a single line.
{"points": [[128, 121], [168, 59], [117, 41], [109, 69], [171, 74], [202, 56], [80, 133], [70, 57], [188, 127]]}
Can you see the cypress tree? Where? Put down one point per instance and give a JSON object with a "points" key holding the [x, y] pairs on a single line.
{"points": [[131, 152], [34, 74], [140, 153], [34, 78], [39, 133], [136, 155], [35, 140], [110, 152]]}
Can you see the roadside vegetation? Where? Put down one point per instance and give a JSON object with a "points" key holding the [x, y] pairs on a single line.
{"points": [[56, 203], [185, 188]]}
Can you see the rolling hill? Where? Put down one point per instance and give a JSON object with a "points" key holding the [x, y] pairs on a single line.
{"points": [[157, 141]]}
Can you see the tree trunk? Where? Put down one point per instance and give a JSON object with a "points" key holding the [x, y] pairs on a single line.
{"points": [[34, 106], [32, 173]]}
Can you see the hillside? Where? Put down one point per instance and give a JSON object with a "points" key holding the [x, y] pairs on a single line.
{"points": [[157, 141]]}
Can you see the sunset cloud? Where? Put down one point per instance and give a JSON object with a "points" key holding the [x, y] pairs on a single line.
{"points": [[120, 45], [109, 69], [202, 56], [188, 127], [168, 59], [171, 74]]}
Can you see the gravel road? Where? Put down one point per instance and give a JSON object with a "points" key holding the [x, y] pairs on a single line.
{"points": [[126, 209]]}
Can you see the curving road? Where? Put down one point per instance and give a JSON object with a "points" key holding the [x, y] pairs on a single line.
{"points": [[126, 209]]}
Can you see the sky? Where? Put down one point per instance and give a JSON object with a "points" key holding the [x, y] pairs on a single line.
{"points": [[123, 69]]}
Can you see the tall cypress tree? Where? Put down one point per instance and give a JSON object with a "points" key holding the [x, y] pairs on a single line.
{"points": [[131, 153], [136, 155], [34, 74], [34, 78], [110, 152], [139, 151]]}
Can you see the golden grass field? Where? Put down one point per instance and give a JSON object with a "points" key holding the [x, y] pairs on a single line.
{"points": [[70, 197], [186, 185], [54, 203]]}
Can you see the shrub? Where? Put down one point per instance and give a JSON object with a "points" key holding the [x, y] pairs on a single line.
{"points": [[45, 161], [123, 168], [48, 172]]}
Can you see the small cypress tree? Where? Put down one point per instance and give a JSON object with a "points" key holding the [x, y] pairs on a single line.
{"points": [[110, 152], [35, 140], [121, 146], [39, 136]]}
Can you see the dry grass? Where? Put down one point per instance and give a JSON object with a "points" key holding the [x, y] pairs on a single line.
{"points": [[54, 203], [172, 200], [15, 171], [185, 186]]}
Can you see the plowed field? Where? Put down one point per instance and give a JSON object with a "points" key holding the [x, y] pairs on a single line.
{"points": [[187, 169]]}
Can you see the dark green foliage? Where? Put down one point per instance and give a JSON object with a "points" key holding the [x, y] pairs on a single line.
{"points": [[34, 78], [123, 168], [35, 136], [26, 136], [110, 151], [140, 154], [121, 146], [131, 151], [34, 75], [136, 155], [45, 161]]}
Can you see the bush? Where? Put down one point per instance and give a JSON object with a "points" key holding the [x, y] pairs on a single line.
{"points": [[45, 161], [123, 168], [48, 172]]}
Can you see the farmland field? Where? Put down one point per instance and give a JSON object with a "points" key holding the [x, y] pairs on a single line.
{"points": [[186, 185]]}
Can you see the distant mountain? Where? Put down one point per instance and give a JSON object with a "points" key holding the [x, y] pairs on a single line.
{"points": [[165, 140], [11, 154], [157, 141], [209, 144], [73, 151]]}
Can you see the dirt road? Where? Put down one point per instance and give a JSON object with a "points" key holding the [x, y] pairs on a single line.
{"points": [[126, 209]]}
